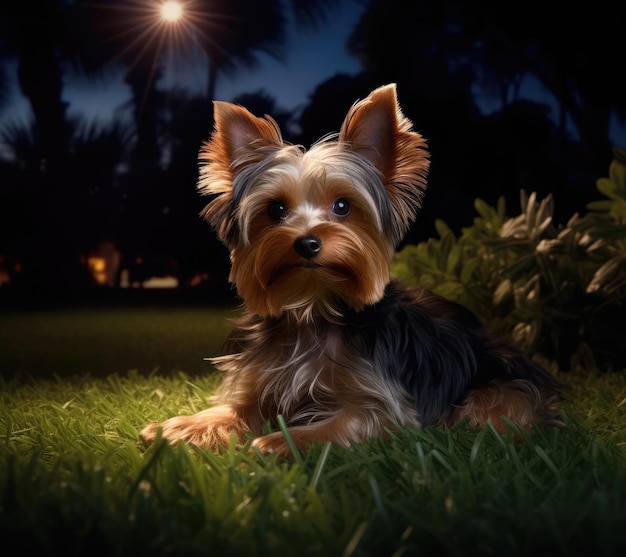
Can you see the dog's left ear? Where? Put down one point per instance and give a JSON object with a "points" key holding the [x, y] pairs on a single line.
{"points": [[378, 131]]}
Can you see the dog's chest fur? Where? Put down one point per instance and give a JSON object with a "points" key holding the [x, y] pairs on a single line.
{"points": [[311, 371]]}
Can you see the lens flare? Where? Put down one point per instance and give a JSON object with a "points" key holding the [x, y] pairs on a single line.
{"points": [[157, 36], [171, 11]]}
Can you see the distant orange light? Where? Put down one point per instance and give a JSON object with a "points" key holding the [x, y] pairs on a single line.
{"points": [[97, 266], [171, 11]]}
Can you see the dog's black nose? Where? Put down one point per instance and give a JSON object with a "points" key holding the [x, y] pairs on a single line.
{"points": [[308, 246]]}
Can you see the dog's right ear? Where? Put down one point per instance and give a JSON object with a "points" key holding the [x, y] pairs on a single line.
{"points": [[239, 139], [238, 131]]}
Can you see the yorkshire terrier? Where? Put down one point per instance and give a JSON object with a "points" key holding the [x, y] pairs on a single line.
{"points": [[327, 340]]}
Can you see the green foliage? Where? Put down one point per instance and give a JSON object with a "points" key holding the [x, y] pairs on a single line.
{"points": [[74, 481], [558, 291]]}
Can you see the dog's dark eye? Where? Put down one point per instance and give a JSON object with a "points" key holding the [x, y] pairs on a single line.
{"points": [[341, 207], [277, 210]]}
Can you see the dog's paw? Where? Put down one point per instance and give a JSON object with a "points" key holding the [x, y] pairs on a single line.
{"points": [[274, 443], [208, 429], [173, 430], [149, 433]]}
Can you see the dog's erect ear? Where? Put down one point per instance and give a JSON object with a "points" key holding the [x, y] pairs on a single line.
{"points": [[378, 131], [239, 139], [236, 128]]}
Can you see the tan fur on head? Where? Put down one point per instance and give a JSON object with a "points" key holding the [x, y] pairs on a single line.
{"points": [[376, 162], [375, 129]]}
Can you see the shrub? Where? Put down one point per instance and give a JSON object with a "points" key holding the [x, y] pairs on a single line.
{"points": [[559, 291]]}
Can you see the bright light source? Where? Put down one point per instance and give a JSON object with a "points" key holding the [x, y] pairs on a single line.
{"points": [[171, 10]]}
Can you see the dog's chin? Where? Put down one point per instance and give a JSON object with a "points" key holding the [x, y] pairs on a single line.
{"points": [[313, 272], [309, 290]]}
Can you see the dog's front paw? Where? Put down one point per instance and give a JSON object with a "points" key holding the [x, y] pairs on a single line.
{"points": [[273, 443], [210, 428], [149, 433], [186, 429]]}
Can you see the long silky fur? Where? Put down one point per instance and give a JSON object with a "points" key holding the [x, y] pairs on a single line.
{"points": [[328, 341]]}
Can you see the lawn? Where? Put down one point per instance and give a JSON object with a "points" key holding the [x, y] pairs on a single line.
{"points": [[103, 340], [78, 385]]}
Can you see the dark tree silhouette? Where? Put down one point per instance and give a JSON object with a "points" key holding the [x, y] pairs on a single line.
{"points": [[229, 34], [28, 220], [444, 53], [40, 37], [575, 56], [235, 32], [4, 81]]}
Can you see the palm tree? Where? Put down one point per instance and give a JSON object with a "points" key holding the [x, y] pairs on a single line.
{"points": [[231, 34], [39, 36], [247, 27], [36, 34], [30, 226]]}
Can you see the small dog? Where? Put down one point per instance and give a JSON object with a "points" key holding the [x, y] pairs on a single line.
{"points": [[327, 340]]}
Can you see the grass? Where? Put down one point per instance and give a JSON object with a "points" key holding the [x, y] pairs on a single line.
{"points": [[74, 480], [104, 340]]}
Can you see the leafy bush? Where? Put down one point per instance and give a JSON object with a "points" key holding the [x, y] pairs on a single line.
{"points": [[558, 291]]}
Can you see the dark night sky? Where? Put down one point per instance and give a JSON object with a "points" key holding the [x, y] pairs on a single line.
{"points": [[311, 57]]}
